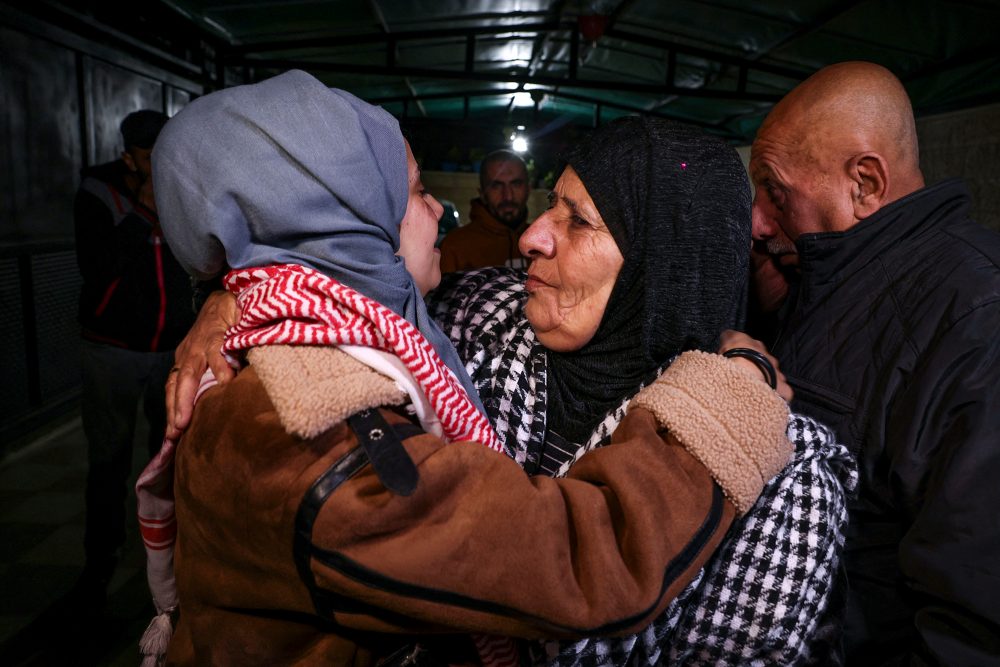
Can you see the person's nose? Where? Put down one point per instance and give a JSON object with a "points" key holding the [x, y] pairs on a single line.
{"points": [[762, 227], [436, 206], [538, 240], [507, 192]]}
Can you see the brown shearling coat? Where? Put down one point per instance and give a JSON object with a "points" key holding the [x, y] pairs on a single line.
{"points": [[272, 571]]}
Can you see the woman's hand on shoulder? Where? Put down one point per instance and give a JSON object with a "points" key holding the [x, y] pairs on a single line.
{"points": [[200, 349], [732, 340]]}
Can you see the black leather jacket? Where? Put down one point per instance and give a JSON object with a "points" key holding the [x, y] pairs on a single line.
{"points": [[893, 339]]}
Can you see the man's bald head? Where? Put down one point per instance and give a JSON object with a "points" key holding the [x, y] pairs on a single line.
{"points": [[834, 151], [849, 108]]}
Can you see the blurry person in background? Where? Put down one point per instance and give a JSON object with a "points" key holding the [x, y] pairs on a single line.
{"points": [[135, 306], [497, 218]]}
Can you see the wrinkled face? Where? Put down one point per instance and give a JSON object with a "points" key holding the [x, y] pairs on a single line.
{"points": [[418, 231], [505, 192], [794, 193], [574, 265]]}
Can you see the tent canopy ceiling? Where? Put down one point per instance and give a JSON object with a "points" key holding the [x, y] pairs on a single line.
{"points": [[469, 72], [720, 64]]}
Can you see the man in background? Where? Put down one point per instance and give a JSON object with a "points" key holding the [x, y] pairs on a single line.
{"points": [[135, 306], [888, 334], [497, 217]]}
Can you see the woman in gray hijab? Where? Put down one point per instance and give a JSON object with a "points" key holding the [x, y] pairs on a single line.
{"points": [[337, 493]]}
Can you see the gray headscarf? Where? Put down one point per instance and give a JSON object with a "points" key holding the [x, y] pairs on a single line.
{"points": [[288, 171]]}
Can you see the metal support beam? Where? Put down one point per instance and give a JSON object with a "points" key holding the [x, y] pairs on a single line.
{"points": [[554, 15], [390, 50], [552, 92], [837, 9], [618, 11], [672, 49], [507, 76], [707, 54], [76, 31], [400, 36]]}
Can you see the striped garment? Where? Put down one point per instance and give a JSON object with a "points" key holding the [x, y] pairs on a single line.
{"points": [[295, 305]]}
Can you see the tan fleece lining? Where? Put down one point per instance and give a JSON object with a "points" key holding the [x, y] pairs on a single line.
{"points": [[726, 417], [315, 388]]}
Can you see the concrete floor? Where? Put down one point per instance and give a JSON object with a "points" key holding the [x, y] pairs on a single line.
{"points": [[41, 556]]}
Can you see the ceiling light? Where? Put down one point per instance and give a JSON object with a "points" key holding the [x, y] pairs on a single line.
{"points": [[523, 99]]}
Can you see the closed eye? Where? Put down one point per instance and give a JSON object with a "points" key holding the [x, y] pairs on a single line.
{"points": [[774, 194]]}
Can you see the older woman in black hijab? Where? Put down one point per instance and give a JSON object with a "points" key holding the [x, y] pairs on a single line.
{"points": [[642, 255]]}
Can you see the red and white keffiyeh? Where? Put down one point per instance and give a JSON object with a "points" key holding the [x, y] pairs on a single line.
{"points": [[295, 305]]}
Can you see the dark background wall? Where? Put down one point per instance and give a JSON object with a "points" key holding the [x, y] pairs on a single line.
{"points": [[966, 144], [63, 97], [66, 81]]}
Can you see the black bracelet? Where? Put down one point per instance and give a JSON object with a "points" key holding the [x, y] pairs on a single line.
{"points": [[763, 363]]}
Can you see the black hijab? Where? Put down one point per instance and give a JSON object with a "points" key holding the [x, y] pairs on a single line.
{"points": [[677, 203]]}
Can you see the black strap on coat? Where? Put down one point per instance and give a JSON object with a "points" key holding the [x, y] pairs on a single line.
{"points": [[379, 444], [394, 467]]}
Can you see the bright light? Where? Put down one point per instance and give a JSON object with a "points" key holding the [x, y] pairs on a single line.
{"points": [[523, 99], [520, 145]]}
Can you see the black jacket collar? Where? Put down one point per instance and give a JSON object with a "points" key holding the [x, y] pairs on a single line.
{"points": [[835, 256]]}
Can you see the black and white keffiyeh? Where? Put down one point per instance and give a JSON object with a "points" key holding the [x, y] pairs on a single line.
{"points": [[766, 596], [482, 312]]}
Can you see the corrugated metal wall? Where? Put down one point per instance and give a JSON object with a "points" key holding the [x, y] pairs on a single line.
{"points": [[63, 98]]}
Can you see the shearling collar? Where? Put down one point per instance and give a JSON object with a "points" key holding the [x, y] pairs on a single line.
{"points": [[315, 388]]}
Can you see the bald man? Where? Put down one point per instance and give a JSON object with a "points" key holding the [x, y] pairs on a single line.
{"points": [[891, 335]]}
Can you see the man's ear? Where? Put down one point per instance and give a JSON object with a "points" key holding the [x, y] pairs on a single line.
{"points": [[870, 174], [129, 161]]}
